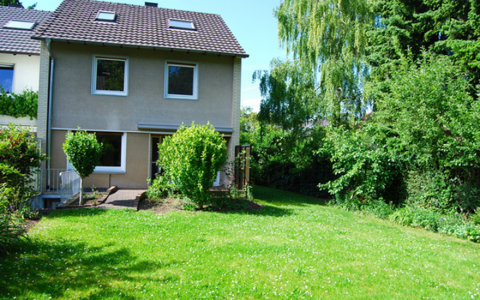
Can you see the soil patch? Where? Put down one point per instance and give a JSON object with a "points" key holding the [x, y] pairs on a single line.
{"points": [[165, 205], [30, 223]]}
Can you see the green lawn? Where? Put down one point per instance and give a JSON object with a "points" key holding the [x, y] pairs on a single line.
{"points": [[295, 248]]}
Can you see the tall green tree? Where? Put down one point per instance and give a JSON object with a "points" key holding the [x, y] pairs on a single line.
{"points": [[290, 99], [330, 37], [7, 2], [407, 28]]}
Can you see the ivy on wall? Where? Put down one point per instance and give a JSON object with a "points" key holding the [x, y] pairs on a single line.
{"points": [[19, 105]]}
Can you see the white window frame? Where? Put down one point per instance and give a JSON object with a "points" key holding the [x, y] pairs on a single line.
{"points": [[193, 65], [95, 59], [107, 169]]}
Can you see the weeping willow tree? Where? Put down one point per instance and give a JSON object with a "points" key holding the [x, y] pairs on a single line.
{"points": [[329, 37]]}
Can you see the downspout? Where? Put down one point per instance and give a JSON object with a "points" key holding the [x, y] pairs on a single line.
{"points": [[50, 96]]}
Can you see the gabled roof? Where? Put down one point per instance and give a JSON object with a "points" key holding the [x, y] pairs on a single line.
{"points": [[139, 26], [18, 40]]}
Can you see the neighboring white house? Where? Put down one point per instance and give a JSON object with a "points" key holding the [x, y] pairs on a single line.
{"points": [[19, 55]]}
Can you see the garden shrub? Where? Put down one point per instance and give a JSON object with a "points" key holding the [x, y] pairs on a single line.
{"points": [[191, 158], [430, 190], [379, 208], [365, 163], [159, 188], [20, 159]]}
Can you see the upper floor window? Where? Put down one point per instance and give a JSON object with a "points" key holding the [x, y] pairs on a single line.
{"points": [[110, 76], [6, 78], [181, 80]]}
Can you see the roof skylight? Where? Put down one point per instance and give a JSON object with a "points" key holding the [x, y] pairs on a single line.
{"points": [[181, 24], [14, 24], [106, 16]]}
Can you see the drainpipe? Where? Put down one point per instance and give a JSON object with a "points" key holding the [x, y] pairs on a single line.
{"points": [[50, 96]]}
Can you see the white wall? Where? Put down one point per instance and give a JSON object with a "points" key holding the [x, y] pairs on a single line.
{"points": [[26, 70]]}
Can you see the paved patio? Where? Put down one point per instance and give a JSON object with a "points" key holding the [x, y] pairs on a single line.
{"points": [[123, 198]]}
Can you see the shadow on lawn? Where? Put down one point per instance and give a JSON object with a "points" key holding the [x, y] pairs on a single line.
{"points": [[63, 268], [278, 197], [76, 212]]}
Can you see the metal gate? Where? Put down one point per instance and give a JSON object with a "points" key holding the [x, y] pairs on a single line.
{"points": [[242, 165]]}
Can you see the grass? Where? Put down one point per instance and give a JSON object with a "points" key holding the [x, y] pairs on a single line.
{"points": [[295, 248]]}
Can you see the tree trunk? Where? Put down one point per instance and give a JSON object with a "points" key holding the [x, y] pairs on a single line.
{"points": [[80, 199]]}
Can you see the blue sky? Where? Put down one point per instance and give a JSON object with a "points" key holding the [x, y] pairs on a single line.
{"points": [[251, 21]]}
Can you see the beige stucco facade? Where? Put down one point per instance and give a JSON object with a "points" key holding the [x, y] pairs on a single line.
{"points": [[74, 105], [25, 76]]}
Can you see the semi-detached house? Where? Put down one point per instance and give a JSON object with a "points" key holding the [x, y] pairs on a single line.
{"points": [[132, 74], [19, 55]]}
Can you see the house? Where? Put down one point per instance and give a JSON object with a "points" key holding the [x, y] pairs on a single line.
{"points": [[19, 55], [133, 74]]}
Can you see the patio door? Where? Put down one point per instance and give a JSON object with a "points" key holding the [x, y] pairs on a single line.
{"points": [[154, 169]]}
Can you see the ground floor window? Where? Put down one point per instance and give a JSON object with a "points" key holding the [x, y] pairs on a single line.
{"points": [[114, 152]]}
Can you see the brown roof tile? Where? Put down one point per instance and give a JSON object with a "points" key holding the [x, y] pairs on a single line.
{"points": [[18, 40], [75, 21]]}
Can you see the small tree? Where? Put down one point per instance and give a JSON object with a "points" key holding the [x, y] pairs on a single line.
{"points": [[191, 159], [84, 152]]}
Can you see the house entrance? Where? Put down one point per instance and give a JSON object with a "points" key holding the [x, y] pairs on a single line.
{"points": [[154, 169]]}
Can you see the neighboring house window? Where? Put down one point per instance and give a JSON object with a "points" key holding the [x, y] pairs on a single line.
{"points": [[110, 76], [6, 78], [181, 81], [114, 152], [17, 24]]}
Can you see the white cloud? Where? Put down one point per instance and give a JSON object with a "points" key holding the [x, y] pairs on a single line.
{"points": [[254, 103], [250, 88]]}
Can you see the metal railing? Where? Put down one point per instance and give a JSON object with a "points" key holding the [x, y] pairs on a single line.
{"points": [[52, 179], [69, 185], [61, 182]]}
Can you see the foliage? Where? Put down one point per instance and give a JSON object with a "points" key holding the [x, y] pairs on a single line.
{"points": [[83, 151], [159, 188], [286, 159], [248, 125], [190, 158], [365, 163], [450, 224], [330, 35], [290, 99], [421, 134], [19, 105], [20, 159], [407, 28]]}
